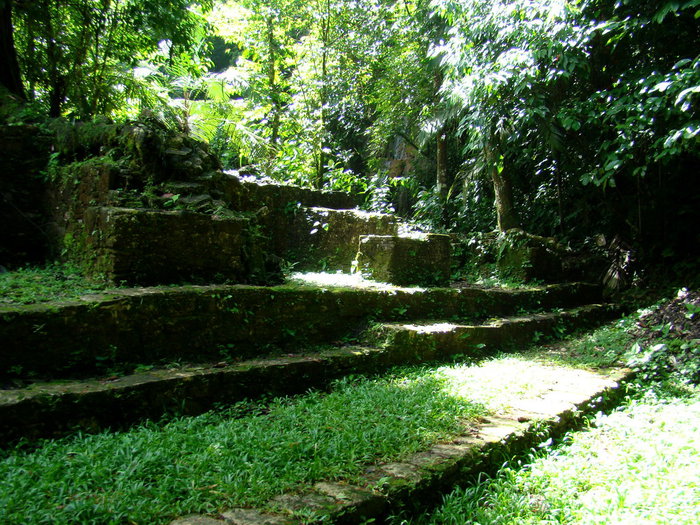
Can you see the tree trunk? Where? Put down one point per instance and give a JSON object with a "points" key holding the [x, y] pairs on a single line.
{"points": [[272, 85], [442, 184], [9, 74], [325, 40], [506, 216]]}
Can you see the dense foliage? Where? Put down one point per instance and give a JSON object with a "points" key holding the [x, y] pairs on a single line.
{"points": [[579, 117]]}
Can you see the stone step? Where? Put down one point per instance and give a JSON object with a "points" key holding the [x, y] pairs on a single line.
{"points": [[49, 408], [247, 194], [140, 246], [325, 239], [435, 338], [559, 403], [197, 323], [150, 247]]}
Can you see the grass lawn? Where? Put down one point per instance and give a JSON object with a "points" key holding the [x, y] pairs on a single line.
{"points": [[240, 456], [638, 465]]}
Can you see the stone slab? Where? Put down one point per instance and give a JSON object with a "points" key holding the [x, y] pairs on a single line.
{"points": [[419, 260]]}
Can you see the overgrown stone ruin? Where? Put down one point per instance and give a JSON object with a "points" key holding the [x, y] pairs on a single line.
{"points": [[139, 204], [142, 208]]}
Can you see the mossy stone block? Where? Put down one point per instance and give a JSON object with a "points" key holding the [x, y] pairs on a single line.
{"points": [[404, 261]]}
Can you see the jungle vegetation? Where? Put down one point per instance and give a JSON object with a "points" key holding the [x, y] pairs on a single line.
{"points": [[577, 118]]}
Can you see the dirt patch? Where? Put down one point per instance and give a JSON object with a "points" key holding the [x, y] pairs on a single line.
{"points": [[678, 318]]}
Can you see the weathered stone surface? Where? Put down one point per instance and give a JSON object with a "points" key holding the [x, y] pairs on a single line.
{"points": [[197, 520], [191, 322], [352, 503], [432, 340], [249, 195], [255, 517], [514, 254], [45, 408], [308, 501], [147, 247], [323, 239], [418, 260]]}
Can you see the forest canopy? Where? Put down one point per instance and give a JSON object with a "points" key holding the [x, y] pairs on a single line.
{"points": [[576, 117]]}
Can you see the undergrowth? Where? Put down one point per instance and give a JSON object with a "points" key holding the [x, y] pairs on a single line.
{"points": [[52, 282], [223, 459]]}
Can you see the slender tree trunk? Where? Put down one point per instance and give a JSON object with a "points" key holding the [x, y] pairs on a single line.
{"points": [[441, 169], [506, 216], [272, 84], [57, 82], [325, 41], [9, 73], [560, 195]]}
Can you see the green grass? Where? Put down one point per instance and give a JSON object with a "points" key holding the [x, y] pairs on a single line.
{"points": [[637, 465], [203, 464], [608, 346], [55, 281]]}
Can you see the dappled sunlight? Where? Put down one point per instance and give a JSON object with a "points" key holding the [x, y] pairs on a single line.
{"points": [[500, 383], [431, 328], [344, 280]]}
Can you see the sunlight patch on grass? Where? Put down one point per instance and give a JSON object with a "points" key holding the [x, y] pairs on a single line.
{"points": [[502, 381], [637, 466]]}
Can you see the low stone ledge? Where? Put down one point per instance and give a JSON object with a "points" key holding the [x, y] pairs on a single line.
{"points": [[73, 338], [254, 517]]}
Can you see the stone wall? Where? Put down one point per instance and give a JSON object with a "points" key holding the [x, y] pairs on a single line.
{"points": [[25, 152], [153, 246]]}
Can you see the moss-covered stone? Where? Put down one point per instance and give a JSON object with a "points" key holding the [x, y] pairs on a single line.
{"points": [[149, 247], [249, 195], [513, 255], [405, 261], [200, 322], [323, 239]]}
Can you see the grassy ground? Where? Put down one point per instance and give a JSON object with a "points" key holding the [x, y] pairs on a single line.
{"points": [[246, 454], [152, 474], [37, 284], [637, 465]]}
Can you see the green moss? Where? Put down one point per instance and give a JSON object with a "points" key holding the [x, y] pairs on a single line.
{"points": [[42, 284]]}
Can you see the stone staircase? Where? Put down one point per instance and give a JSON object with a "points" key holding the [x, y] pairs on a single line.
{"points": [[110, 360], [107, 362]]}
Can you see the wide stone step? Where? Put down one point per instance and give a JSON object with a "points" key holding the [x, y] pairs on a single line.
{"points": [[142, 326], [437, 338], [247, 194], [48, 408]]}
